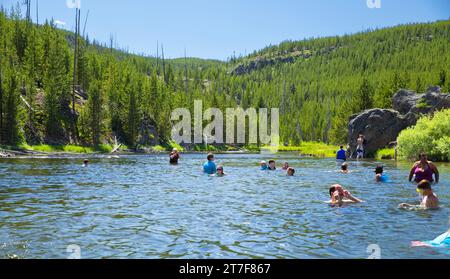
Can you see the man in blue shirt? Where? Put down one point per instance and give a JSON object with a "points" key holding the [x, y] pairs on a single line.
{"points": [[210, 167], [341, 154]]}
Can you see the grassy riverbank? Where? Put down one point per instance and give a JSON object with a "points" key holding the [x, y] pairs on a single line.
{"points": [[315, 149], [385, 154], [45, 148]]}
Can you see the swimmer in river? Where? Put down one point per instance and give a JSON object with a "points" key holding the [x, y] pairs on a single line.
{"points": [[219, 172], [85, 162], [272, 165], [209, 166], [263, 165], [339, 196], [344, 168], [290, 171], [379, 175], [424, 170], [285, 166], [441, 241], [429, 199], [174, 156]]}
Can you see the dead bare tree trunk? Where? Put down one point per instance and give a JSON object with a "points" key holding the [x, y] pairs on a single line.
{"points": [[185, 73], [163, 64], [1, 102], [75, 63], [111, 42], [157, 58], [37, 12], [85, 23], [28, 10]]}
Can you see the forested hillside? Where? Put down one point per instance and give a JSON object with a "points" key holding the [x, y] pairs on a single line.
{"points": [[316, 83]]}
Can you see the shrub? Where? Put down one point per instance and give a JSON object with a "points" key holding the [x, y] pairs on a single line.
{"points": [[430, 135]]}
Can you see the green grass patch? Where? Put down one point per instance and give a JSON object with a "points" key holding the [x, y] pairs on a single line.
{"points": [[385, 154], [102, 148], [316, 149], [167, 147]]}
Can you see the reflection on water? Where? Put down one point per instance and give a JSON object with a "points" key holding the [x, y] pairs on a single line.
{"points": [[141, 207]]}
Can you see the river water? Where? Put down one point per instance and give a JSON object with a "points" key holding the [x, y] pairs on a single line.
{"points": [[139, 206]]}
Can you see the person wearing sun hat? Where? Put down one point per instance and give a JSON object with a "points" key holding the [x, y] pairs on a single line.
{"points": [[263, 165]]}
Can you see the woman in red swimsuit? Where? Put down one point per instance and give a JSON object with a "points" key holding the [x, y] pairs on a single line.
{"points": [[424, 170]]}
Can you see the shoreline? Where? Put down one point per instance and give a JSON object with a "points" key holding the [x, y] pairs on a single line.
{"points": [[306, 149]]}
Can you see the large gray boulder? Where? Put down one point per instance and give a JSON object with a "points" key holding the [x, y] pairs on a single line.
{"points": [[382, 126]]}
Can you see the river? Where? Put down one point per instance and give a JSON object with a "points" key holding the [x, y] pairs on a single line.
{"points": [[138, 206]]}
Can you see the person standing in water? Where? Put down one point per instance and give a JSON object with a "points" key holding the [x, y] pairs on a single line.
{"points": [[424, 170], [341, 154], [360, 147], [209, 166], [174, 156], [429, 199]]}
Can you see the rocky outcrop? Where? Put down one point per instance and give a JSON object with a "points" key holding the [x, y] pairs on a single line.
{"points": [[262, 62], [258, 64], [381, 127], [406, 101]]}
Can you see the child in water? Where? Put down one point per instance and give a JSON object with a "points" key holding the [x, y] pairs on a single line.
{"points": [[339, 196], [263, 165], [344, 168], [290, 171], [429, 199], [379, 175], [219, 172], [285, 166]]}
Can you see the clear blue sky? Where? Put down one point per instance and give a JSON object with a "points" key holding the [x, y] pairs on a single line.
{"points": [[217, 28]]}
